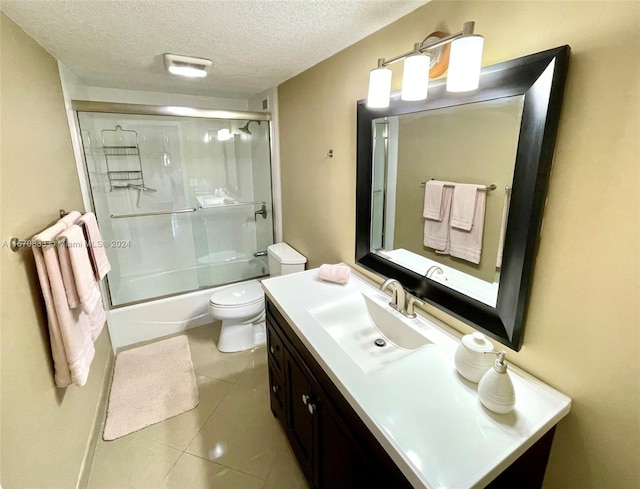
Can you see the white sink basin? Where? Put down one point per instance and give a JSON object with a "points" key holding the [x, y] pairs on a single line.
{"points": [[357, 321]]}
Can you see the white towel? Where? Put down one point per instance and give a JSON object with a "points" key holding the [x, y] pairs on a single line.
{"points": [[468, 244], [69, 330], [503, 226], [85, 284], [436, 233], [433, 200], [463, 206], [97, 252]]}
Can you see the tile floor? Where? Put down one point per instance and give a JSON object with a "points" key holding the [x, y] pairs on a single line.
{"points": [[231, 440]]}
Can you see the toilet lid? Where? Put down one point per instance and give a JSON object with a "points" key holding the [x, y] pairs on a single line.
{"points": [[238, 295]]}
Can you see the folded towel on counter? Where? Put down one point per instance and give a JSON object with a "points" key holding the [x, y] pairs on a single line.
{"points": [[97, 252], [85, 283], [463, 205], [69, 330], [468, 244], [436, 233], [433, 200], [338, 274]]}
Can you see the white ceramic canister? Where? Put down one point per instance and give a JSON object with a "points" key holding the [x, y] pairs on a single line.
{"points": [[470, 359]]}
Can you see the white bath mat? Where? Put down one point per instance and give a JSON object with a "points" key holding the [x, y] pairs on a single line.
{"points": [[150, 384]]}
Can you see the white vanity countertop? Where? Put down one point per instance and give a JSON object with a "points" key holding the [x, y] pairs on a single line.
{"points": [[427, 417]]}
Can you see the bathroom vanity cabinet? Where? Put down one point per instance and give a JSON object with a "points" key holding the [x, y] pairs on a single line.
{"points": [[333, 445]]}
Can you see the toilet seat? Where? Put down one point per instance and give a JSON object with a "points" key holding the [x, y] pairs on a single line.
{"points": [[238, 296]]}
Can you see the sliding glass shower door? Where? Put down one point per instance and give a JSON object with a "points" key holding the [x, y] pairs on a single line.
{"points": [[183, 203]]}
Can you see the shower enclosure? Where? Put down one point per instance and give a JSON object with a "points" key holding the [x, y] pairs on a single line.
{"points": [[182, 196]]}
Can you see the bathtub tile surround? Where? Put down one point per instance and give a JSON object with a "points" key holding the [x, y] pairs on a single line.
{"points": [[230, 440]]}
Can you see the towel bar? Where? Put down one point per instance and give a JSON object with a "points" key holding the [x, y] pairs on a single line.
{"points": [[488, 187], [15, 244]]}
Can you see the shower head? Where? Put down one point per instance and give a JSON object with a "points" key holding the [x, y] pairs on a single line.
{"points": [[245, 128]]}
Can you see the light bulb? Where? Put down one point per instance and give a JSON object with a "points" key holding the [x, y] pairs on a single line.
{"points": [[465, 63], [379, 88], [415, 77]]}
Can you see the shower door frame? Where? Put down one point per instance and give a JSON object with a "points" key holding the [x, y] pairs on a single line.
{"points": [[171, 111]]}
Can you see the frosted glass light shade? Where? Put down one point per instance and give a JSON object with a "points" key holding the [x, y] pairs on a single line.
{"points": [[465, 63], [415, 77], [188, 71], [379, 88]]}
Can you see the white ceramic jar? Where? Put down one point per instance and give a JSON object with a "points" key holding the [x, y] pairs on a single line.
{"points": [[470, 358]]}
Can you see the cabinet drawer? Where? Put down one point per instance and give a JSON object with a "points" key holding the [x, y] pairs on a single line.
{"points": [[275, 346]]}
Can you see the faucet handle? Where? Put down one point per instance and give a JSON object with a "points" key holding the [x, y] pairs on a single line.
{"points": [[411, 313], [394, 298]]}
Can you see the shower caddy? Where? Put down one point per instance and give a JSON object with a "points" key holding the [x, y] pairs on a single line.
{"points": [[122, 155]]}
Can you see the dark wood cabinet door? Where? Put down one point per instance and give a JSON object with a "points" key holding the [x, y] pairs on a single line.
{"points": [[334, 456], [300, 414]]}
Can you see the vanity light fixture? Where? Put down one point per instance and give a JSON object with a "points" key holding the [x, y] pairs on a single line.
{"points": [[187, 65], [464, 67]]}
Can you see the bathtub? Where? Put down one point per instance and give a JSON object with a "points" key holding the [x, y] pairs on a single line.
{"points": [[154, 318]]}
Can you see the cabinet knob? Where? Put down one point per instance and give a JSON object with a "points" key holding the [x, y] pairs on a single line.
{"points": [[273, 349], [311, 407], [275, 389], [305, 399]]}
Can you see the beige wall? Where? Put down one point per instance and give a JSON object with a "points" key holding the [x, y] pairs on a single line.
{"points": [[583, 323], [45, 430]]}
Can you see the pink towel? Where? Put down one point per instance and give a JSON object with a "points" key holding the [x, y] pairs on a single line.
{"points": [[463, 205], [468, 244], [97, 252], [436, 233], [71, 343], [71, 218], [434, 200], [67, 275], [65, 265], [84, 281], [338, 274]]}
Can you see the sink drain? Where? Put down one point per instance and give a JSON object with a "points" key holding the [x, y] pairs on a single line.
{"points": [[380, 342]]}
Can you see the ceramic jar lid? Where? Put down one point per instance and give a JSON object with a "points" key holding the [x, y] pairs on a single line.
{"points": [[477, 342]]}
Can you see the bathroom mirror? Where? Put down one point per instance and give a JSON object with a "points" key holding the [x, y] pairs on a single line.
{"points": [[501, 135]]}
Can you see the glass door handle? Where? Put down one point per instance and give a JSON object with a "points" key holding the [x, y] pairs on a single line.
{"points": [[262, 211]]}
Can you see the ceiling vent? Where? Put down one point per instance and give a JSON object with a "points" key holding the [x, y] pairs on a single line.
{"points": [[187, 65]]}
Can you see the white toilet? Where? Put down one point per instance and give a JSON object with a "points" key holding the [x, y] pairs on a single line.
{"points": [[241, 306]]}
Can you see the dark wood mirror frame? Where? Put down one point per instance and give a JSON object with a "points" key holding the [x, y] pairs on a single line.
{"points": [[540, 78]]}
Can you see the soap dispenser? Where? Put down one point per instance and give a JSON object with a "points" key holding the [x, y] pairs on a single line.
{"points": [[496, 389]]}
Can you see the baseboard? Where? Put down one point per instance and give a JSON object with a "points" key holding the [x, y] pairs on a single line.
{"points": [[98, 424]]}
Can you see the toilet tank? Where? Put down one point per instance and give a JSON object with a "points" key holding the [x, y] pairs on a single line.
{"points": [[283, 259]]}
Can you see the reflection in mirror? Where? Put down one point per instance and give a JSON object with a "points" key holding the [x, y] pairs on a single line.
{"points": [[475, 144], [472, 145]]}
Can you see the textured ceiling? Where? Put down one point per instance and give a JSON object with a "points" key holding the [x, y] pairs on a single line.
{"points": [[254, 44]]}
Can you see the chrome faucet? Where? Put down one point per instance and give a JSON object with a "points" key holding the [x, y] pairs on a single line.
{"points": [[398, 295], [432, 270], [399, 298]]}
